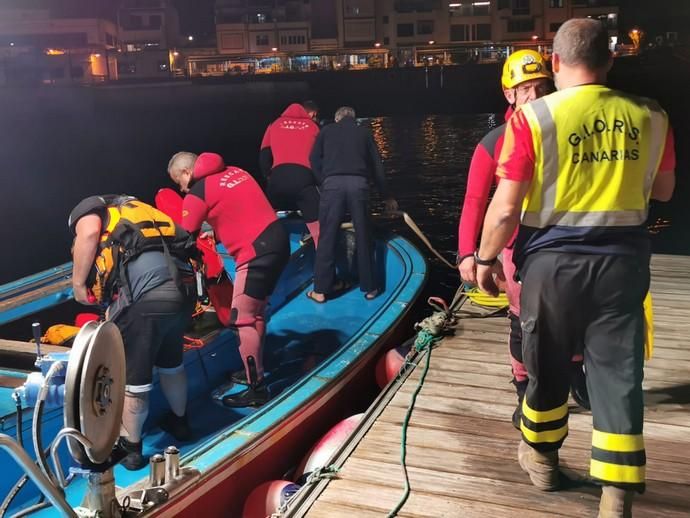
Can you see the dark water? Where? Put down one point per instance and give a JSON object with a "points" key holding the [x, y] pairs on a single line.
{"points": [[426, 159]]}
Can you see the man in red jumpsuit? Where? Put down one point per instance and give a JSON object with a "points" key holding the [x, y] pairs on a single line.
{"points": [[284, 160], [525, 78], [231, 201]]}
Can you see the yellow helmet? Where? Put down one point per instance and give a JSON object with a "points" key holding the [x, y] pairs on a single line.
{"points": [[522, 66]]}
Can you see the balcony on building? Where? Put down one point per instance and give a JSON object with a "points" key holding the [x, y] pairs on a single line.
{"points": [[39, 48]]}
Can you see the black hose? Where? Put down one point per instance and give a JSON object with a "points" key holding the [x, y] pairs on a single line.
{"points": [[41, 458], [14, 491], [31, 509], [20, 431]]}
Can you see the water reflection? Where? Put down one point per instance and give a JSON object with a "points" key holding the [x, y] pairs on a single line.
{"points": [[426, 160]]}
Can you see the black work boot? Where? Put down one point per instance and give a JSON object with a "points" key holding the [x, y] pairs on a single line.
{"points": [[256, 394], [520, 389], [177, 426], [578, 385], [135, 459], [239, 377]]}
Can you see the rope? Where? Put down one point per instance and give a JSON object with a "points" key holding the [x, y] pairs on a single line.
{"points": [[424, 341], [474, 294], [193, 343], [482, 299], [413, 226]]}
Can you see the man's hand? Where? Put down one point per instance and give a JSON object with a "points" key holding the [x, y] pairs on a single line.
{"points": [[468, 270], [485, 278], [83, 295], [391, 205]]}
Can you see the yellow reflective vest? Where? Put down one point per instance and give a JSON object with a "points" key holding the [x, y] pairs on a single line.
{"points": [[597, 152]]}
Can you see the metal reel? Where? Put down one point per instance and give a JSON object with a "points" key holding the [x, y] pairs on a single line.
{"points": [[95, 391]]}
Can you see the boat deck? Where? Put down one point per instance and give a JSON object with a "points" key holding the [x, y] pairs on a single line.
{"points": [[461, 456]]}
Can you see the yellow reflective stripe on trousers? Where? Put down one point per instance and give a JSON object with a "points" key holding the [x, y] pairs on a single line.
{"points": [[537, 416], [617, 442], [617, 472], [544, 436]]}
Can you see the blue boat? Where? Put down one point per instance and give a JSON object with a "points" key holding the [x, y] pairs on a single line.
{"points": [[320, 366]]}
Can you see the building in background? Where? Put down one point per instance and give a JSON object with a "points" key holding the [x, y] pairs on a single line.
{"points": [[39, 46], [149, 40], [141, 39]]}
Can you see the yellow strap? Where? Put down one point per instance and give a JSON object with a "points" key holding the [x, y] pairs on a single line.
{"points": [[617, 472], [547, 416], [648, 327], [617, 442]]}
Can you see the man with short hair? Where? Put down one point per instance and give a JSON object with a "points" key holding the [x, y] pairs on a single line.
{"points": [[284, 161], [525, 78], [344, 158], [581, 165], [245, 223]]}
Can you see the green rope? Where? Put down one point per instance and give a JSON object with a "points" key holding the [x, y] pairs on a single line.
{"points": [[424, 341]]}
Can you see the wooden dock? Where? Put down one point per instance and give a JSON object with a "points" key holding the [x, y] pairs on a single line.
{"points": [[462, 447]]}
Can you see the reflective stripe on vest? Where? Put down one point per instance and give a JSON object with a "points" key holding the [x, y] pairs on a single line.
{"points": [[597, 153]]}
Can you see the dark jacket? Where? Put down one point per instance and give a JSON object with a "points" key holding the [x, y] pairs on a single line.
{"points": [[345, 148]]}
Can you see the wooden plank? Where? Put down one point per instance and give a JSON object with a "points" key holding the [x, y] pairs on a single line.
{"points": [[33, 295], [381, 499], [15, 346]]}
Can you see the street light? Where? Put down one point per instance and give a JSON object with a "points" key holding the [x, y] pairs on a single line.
{"points": [[431, 42], [377, 45], [535, 37], [190, 38]]}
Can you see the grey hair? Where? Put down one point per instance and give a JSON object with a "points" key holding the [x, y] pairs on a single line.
{"points": [[179, 161], [584, 42], [344, 111]]}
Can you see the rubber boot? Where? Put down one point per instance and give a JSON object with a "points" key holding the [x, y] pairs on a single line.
{"points": [[239, 377], [520, 388], [256, 394], [615, 502], [578, 385], [135, 459], [542, 467], [177, 426]]}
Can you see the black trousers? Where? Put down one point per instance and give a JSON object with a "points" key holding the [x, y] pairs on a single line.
{"points": [[339, 195], [572, 299], [293, 186]]}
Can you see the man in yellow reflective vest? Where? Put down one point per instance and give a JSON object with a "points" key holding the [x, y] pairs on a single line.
{"points": [[578, 168]]}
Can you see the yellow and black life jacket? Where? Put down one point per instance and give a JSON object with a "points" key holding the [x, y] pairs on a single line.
{"points": [[131, 227]]}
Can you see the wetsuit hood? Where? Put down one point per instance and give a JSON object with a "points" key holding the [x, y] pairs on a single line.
{"points": [[296, 111], [207, 164]]}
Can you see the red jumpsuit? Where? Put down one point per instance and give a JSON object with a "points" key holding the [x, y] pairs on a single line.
{"points": [[245, 223], [284, 160], [481, 177]]}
